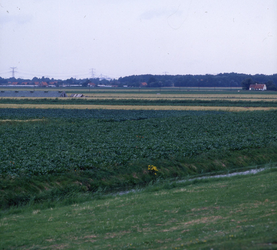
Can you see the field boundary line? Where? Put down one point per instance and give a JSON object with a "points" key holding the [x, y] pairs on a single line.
{"points": [[131, 107]]}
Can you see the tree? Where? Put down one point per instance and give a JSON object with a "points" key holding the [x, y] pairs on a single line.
{"points": [[152, 79], [85, 84], [3, 81], [246, 83], [69, 81], [271, 86]]}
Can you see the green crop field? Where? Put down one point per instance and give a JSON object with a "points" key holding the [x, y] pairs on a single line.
{"points": [[124, 100], [52, 160], [57, 151]]}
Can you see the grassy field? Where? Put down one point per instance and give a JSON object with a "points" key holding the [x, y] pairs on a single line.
{"points": [[126, 90], [61, 158], [184, 96], [164, 93], [226, 213], [151, 99], [131, 107]]}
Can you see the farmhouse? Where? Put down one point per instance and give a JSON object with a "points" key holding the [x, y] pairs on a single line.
{"points": [[32, 94], [143, 84], [257, 86], [91, 84]]}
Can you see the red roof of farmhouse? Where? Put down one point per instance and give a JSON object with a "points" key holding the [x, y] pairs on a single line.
{"points": [[257, 86]]}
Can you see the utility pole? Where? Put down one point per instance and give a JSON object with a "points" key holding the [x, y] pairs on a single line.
{"points": [[165, 73], [92, 72], [13, 71]]}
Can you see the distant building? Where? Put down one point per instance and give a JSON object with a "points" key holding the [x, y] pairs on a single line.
{"points": [[104, 86], [44, 84], [143, 84], [91, 84], [257, 86]]}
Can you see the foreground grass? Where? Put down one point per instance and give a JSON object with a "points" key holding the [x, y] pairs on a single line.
{"points": [[226, 213]]}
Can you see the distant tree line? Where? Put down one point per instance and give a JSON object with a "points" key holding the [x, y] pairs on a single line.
{"points": [[219, 80]]}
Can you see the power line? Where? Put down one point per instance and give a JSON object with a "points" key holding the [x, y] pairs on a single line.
{"points": [[6, 72], [81, 75], [53, 75], [13, 71], [92, 72]]}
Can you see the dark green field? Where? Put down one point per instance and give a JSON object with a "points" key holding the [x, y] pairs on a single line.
{"points": [[58, 168], [137, 102], [71, 152]]}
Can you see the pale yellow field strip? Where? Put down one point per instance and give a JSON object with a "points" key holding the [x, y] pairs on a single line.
{"points": [[179, 99], [265, 98], [127, 90], [30, 120], [130, 107], [155, 95], [192, 96]]}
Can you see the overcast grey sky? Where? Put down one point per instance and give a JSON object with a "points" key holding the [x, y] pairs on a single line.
{"points": [[67, 38]]}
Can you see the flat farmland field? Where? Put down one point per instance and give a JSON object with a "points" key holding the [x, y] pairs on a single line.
{"points": [[61, 158], [132, 107], [158, 96], [90, 149], [181, 96], [150, 99]]}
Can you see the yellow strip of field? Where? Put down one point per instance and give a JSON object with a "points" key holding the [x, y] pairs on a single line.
{"points": [[30, 120], [130, 107], [123, 96], [181, 96]]}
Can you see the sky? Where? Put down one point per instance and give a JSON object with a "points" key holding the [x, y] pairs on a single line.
{"points": [[116, 38]]}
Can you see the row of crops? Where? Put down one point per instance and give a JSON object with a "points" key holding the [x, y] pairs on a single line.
{"points": [[109, 140], [159, 102]]}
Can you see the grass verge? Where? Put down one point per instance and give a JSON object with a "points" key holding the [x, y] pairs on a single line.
{"points": [[225, 213]]}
